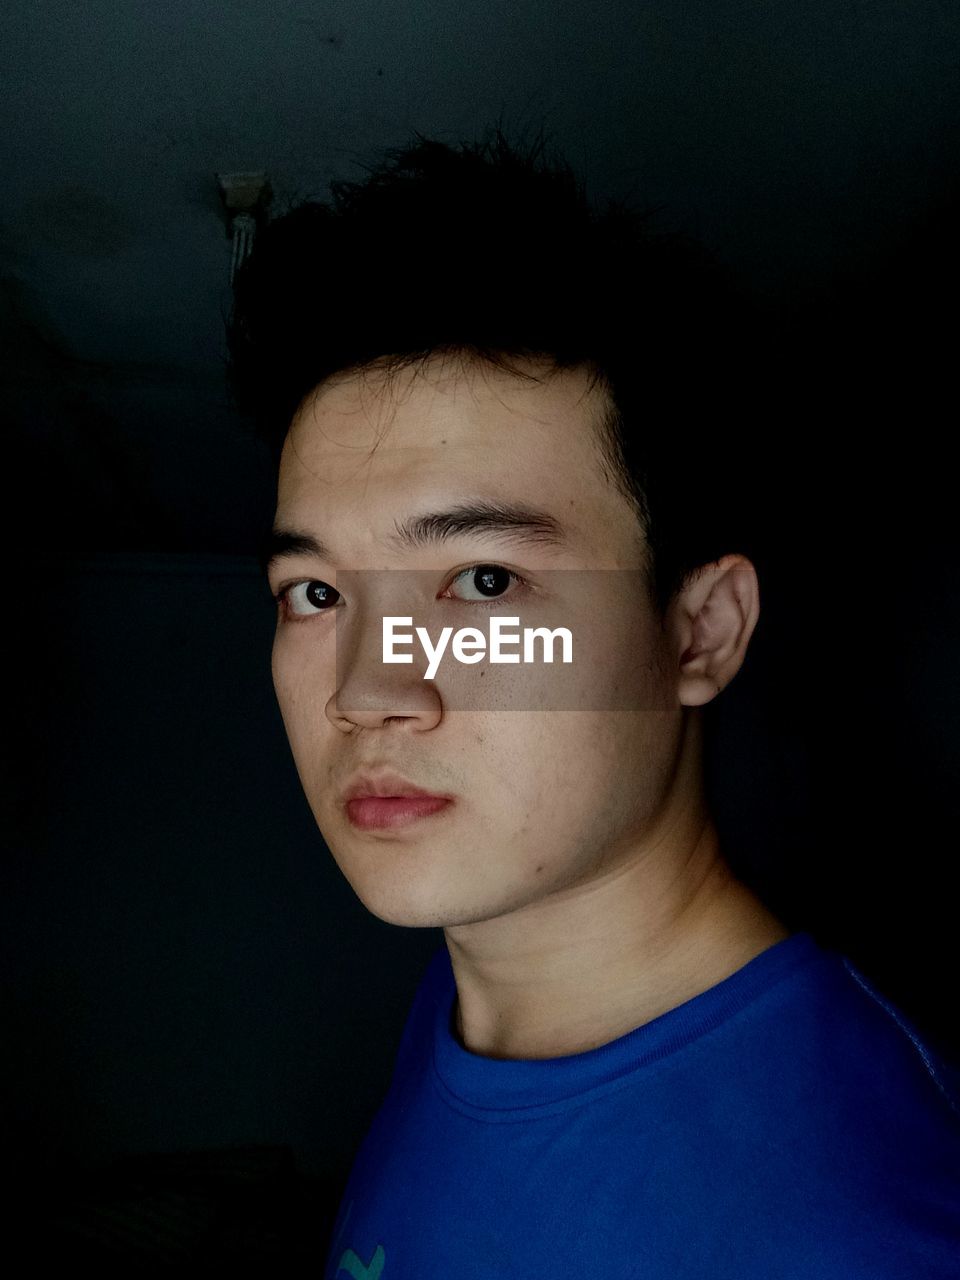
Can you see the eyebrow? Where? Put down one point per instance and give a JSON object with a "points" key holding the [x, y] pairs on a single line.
{"points": [[508, 522]]}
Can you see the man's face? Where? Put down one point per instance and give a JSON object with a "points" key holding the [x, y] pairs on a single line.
{"points": [[547, 800]]}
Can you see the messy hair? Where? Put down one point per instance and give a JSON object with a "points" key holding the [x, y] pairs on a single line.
{"points": [[492, 252]]}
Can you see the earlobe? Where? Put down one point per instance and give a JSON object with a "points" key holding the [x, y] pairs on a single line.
{"points": [[697, 691]]}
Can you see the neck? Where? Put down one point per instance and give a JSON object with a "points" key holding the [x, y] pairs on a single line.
{"points": [[663, 922]]}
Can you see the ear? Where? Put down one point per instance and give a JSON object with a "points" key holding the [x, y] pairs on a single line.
{"points": [[710, 621]]}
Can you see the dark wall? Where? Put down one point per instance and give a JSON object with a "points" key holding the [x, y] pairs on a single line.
{"points": [[186, 965]]}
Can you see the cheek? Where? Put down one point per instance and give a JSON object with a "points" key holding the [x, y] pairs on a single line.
{"points": [[598, 773], [619, 654], [301, 703], [299, 671], [547, 769], [286, 690]]}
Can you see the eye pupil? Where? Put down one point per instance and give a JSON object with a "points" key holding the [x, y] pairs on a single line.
{"points": [[319, 593], [486, 576]]}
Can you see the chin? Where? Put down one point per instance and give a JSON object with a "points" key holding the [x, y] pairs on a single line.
{"points": [[418, 888], [395, 899], [401, 909], [405, 916], [407, 900], [402, 906]]}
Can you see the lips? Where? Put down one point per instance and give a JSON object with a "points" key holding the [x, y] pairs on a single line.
{"points": [[383, 799], [370, 813], [386, 784]]}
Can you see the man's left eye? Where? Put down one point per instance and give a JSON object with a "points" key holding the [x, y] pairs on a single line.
{"points": [[488, 580]]}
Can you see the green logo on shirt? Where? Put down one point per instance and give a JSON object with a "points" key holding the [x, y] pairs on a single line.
{"points": [[354, 1267]]}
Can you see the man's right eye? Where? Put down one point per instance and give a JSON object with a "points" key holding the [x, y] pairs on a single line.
{"points": [[307, 599]]}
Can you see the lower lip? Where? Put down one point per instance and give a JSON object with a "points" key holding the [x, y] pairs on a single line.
{"points": [[370, 812]]}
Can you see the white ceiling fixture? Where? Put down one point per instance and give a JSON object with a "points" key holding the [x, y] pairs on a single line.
{"points": [[245, 197]]}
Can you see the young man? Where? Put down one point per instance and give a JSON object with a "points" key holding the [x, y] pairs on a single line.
{"points": [[486, 399]]}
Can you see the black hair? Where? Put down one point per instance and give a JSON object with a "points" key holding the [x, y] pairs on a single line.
{"points": [[492, 251]]}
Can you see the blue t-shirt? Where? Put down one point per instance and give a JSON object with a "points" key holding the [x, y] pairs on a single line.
{"points": [[789, 1123]]}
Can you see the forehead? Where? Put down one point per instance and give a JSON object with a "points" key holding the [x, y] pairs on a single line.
{"points": [[367, 447]]}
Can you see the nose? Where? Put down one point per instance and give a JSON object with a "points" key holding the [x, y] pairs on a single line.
{"points": [[369, 692]]}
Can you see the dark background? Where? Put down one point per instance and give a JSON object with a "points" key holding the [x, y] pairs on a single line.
{"points": [[185, 971]]}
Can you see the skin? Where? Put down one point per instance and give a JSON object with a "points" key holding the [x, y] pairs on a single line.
{"points": [[578, 876]]}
